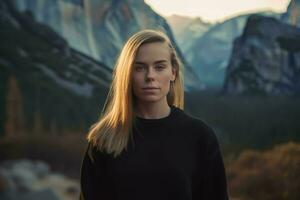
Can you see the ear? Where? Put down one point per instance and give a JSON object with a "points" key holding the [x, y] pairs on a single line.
{"points": [[173, 76]]}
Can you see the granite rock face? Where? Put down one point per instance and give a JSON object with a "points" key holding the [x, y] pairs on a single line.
{"points": [[187, 30], [292, 15], [42, 77], [99, 28], [209, 53], [265, 60]]}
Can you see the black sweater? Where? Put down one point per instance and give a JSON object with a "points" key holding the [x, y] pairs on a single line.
{"points": [[172, 158]]}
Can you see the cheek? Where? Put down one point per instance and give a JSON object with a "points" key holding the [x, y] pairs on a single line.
{"points": [[135, 79], [134, 90], [167, 77], [136, 83], [166, 82]]}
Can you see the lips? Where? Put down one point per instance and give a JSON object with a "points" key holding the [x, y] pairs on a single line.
{"points": [[150, 88]]}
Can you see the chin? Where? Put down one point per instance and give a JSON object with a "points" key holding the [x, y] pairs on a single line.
{"points": [[150, 99]]}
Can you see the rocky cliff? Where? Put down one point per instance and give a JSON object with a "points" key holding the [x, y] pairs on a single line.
{"points": [[265, 60], [187, 29], [292, 15], [45, 84], [99, 28], [209, 54]]}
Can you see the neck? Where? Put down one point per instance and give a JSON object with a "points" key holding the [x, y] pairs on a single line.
{"points": [[153, 110]]}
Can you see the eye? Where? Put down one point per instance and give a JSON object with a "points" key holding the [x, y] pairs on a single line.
{"points": [[139, 68], [160, 67]]}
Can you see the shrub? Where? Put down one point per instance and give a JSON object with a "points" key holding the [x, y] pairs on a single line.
{"points": [[270, 175]]}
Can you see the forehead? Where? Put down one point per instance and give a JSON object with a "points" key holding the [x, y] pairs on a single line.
{"points": [[153, 51]]}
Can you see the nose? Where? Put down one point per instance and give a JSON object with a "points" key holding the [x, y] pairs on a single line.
{"points": [[150, 75]]}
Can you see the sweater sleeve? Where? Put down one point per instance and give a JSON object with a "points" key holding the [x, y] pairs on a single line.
{"points": [[91, 176], [213, 183]]}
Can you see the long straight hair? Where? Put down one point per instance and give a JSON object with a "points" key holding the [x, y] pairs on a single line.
{"points": [[114, 127]]}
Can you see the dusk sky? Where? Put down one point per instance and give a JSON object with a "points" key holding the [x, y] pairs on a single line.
{"points": [[215, 10]]}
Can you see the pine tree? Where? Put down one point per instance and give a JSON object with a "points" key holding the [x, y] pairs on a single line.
{"points": [[38, 127], [14, 123]]}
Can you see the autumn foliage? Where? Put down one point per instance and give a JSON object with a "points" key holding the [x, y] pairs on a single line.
{"points": [[270, 175]]}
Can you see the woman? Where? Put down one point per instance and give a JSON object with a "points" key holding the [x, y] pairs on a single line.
{"points": [[144, 146]]}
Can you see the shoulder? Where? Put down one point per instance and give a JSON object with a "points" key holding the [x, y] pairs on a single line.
{"points": [[93, 153], [196, 126], [191, 122]]}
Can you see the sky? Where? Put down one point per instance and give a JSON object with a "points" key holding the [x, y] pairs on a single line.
{"points": [[215, 10]]}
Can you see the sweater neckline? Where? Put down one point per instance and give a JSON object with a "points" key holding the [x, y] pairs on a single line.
{"points": [[159, 121]]}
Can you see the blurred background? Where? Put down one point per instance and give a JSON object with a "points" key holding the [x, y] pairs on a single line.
{"points": [[242, 76]]}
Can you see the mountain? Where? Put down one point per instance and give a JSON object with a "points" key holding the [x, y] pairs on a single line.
{"points": [[99, 28], [187, 29], [209, 53], [45, 85], [265, 59], [292, 15]]}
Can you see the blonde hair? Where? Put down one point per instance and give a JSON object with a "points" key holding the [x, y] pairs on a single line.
{"points": [[112, 131]]}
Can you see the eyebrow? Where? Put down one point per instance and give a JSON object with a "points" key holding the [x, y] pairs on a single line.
{"points": [[156, 62]]}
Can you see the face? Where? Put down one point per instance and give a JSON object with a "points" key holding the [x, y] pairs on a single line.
{"points": [[152, 73]]}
